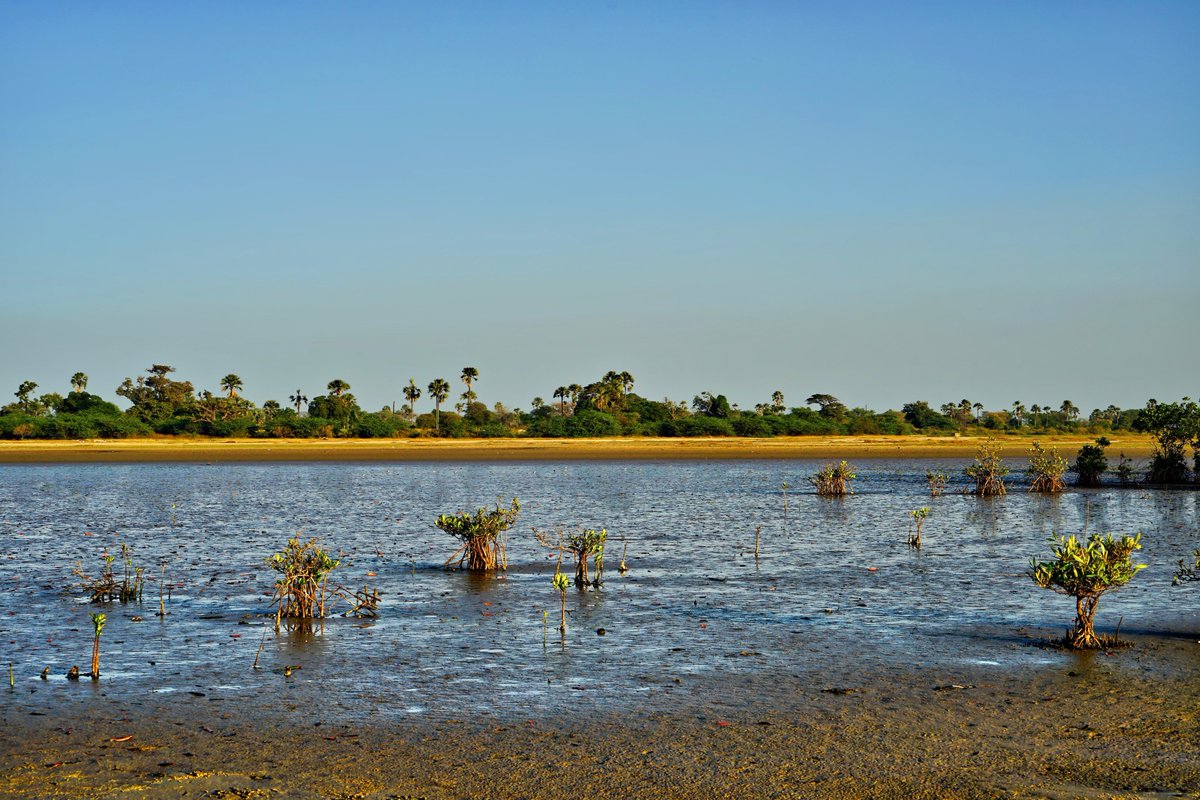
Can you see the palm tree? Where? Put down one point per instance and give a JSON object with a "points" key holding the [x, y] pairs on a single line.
{"points": [[574, 390], [411, 393], [79, 382], [469, 374], [561, 394], [298, 399], [231, 383], [1069, 410], [438, 390], [337, 386], [777, 400]]}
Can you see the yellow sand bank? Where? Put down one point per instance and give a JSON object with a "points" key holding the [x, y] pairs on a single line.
{"points": [[822, 447]]}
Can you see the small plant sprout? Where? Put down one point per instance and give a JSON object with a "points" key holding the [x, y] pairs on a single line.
{"points": [[104, 588], [1090, 464], [833, 480], [482, 536], [560, 582], [1085, 571], [622, 568], [784, 488], [1047, 469], [302, 589], [98, 621], [1186, 574], [988, 471], [937, 482], [162, 582], [757, 536], [918, 515]]}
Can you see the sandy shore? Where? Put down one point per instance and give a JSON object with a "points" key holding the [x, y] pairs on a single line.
{"points": [[819, 447], [1102, 726]]}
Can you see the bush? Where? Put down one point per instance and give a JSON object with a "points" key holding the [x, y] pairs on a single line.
{"points": [[483, 547], [1091, 463], [697, 426], [1047, 469], [591, 424], [752, 425], [988, 471], [1085, 572], [833, 480]]}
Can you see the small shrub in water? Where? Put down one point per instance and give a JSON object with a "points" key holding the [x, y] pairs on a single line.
{"points": [[482, 536], [104, 588], [937, 482], [1085, 571], [988, 471], [1125, 471], [1047, 469], [1185, 573], [302, 589], [918, 515], [833, 480], [560, 582], [1091, 463], [98, 621]]}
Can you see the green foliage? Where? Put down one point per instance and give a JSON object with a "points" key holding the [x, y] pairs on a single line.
{"points": [[1091, 463], [156, 398], [1085, 571], [752, 425], [1047, 469], [1186, 573], [922, 417], [301, 590], [481, 533], [584, 545], [988, 471], [1175, 426], [379, 426], [696, 426], [833, 480], [591, 424], [560, 582], [937, 482]]}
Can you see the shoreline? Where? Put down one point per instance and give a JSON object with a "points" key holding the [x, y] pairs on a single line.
{"points": [[958, 733], [614, 449]]}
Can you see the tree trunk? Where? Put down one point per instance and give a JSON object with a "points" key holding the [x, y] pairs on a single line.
{"points": [[1084, 636], [96, 658]]}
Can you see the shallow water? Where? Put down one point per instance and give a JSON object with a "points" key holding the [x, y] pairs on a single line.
{"points": [[696, 605]]}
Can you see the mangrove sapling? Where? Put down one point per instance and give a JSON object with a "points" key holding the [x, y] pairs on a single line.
{"points": [[560, 582], [302, 589], [833, 480], [1085, 571], [622, 568], [1047, 469], [937, 482], [757, 534], [585, 545], [988, 471], [1125, 471], [104, 588], [1185, 573], [918, 515], [98, 621], [1090, 463], [482, 536]]}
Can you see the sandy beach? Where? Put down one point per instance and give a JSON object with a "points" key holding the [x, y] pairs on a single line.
{"points": [[816, 447]]}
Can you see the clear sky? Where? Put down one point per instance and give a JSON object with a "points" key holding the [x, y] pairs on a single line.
{"points": [[882, 201]]}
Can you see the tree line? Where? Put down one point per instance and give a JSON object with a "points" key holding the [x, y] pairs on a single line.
{"points": [[159, 404]]}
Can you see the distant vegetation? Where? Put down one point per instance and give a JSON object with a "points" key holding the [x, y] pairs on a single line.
{"points": [[159, 404]]}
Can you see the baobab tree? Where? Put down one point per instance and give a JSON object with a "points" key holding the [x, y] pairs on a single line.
{"points": [[439, 389]]}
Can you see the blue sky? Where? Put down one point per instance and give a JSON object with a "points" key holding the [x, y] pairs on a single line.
{"points": [[881, 201]]}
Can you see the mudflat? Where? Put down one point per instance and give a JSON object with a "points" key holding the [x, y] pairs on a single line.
{"points": [[421, 449], [1103, 725]]}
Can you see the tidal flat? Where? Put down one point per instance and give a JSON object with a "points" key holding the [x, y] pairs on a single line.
{"points": [[839, 663]]}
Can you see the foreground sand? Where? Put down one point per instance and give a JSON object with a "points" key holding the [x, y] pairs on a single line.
{"points": [[822, 447], [1099, 726]]}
